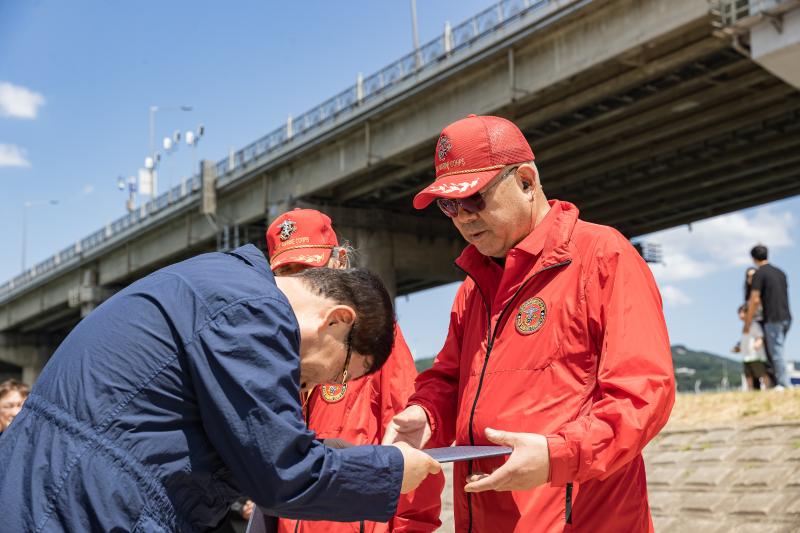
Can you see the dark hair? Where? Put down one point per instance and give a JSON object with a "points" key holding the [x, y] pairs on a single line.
{"points": [[373, 331], [748, 283], [742, 309], [11, 385], [759, 252]]}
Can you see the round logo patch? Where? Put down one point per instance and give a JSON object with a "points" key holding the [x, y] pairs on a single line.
{"points": [[332, 393], [531, 316]]}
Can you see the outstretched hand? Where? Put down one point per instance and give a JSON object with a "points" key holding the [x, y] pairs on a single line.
{"points": [[528, 466], [410, 426]]}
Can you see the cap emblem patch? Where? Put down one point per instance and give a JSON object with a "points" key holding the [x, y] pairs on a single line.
{"points": [[287, 227], [443, 147]]}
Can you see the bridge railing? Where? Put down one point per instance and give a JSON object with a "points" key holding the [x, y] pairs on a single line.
{"points": [[453, 41]]}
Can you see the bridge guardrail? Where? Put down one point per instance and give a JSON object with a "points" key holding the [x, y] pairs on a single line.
{"points": [[452, 41]]}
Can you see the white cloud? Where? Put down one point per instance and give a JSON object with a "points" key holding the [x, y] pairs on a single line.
{"points": [[19, 102], [12, 156], [719, 243], [88, 189], [673, 296]]}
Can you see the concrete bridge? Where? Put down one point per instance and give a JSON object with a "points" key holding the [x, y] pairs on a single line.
{"points": [[645, 113]]}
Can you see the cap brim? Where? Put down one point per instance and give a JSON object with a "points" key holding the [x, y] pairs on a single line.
{"points": [[312, 257], [456, 186]]}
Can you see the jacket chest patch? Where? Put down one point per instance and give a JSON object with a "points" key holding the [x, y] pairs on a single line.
{"points": [[332, 393], [531, 316]]}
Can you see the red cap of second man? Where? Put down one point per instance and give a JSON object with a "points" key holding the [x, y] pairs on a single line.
{"points": [[302, 236], [469, 153]]}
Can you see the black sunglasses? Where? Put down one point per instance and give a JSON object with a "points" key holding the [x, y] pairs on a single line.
{"points": [[471, 204]]}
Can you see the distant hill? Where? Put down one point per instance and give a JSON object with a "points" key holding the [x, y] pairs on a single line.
{"points": [[690, 366]]}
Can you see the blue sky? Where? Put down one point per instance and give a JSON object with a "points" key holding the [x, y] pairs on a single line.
{"points": [[77, 80]]}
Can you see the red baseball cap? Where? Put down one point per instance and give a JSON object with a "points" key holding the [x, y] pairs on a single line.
{"points": [[303, 236], [471, 152]]}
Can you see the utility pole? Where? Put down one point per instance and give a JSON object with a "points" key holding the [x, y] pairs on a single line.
{"points": [[417, 56]]}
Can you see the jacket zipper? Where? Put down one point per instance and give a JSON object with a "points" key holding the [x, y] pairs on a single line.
{"points": [[491, 335], [568, 506]]}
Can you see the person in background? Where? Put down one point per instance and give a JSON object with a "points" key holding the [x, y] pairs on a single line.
{"points": [[12, 395], [748, 286], [754, 356], [771, 292], [359, 411], [769, 380]]}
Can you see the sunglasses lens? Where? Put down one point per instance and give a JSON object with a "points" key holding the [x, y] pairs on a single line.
{"points": [[473, 204], [448, 207]]}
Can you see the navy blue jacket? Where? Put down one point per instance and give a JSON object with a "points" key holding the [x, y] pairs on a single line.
{"points": [[171, 399]]}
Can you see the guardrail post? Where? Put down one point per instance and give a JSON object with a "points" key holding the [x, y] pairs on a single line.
{"points": [[289, 127], [359, 88]]}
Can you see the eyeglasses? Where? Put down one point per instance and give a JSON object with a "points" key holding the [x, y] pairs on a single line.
{"points": [[471, 204], [349, 353]]}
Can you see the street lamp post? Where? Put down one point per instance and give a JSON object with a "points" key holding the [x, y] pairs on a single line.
{"points": [[152, 156], [25, 207]]}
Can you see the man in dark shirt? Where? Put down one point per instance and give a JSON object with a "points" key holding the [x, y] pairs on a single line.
{"points": [[770, 290]]}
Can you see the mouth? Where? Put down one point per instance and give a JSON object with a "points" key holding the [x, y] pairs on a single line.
{"points": [[474, 236]]}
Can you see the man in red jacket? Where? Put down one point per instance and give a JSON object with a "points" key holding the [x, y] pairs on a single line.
{"points": [[359, 411], [557, 347]]}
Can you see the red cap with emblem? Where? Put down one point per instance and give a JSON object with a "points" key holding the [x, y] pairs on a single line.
{"points": [[302, 236], [470, 152]]}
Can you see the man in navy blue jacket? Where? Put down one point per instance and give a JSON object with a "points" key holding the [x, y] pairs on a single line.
{"points": [[182, 392]]}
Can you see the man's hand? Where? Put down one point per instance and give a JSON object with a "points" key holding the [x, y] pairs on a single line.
{"points": [[410, 426], [528, 466], [417, 466]]}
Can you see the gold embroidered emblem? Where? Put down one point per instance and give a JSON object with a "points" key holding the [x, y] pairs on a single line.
{"points": [[332, 393], [531, 316]]}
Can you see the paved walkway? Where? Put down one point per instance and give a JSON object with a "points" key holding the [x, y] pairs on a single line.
{"points": [[727, 479]]}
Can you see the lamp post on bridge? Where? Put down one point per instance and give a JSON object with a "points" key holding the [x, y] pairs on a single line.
{"points": [[152, 157]]}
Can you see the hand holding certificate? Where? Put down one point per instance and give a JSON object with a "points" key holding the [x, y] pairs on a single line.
{"points": [[466, 453]]}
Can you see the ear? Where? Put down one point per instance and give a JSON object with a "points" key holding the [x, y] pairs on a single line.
{"points": [[342, 257], [526, 178], [339, 316]]}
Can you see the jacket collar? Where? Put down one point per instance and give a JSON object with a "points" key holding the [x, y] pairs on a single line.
{"points": [[547, 244], [253, 257]]}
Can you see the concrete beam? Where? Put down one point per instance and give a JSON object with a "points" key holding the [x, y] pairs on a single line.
{"points": [[29, 352]]}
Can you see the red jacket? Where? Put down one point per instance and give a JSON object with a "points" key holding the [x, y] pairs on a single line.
{"points": [[567, 341], [360, 417]]}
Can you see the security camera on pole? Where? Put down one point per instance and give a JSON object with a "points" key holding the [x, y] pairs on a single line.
{"points": [[192, 138], [131, 186]]}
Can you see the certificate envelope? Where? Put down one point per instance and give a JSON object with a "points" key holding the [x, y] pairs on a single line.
{"points": [[466, 453]]}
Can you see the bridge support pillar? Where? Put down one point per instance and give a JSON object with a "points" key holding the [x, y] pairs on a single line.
{"points": [[89, 295], [375, 252], [28, 352]]}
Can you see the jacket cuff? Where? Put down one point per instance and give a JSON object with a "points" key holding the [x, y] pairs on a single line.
{"points": [[563, 461], [431, 418]]}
